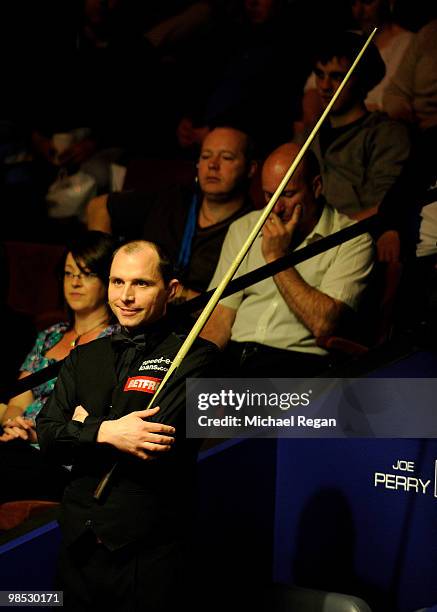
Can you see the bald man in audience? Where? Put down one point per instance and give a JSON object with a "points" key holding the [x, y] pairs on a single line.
{"points": [[271, 328]]}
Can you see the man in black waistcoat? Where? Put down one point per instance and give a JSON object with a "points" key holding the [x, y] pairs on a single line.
{"points": [[125, 550]]}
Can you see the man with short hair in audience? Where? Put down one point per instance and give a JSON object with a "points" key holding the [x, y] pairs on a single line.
{"points": [[360, 153], [191, 225], [274, 325]]}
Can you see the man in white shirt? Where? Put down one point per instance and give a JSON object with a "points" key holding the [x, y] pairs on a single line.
{"points": [[274, 324]]}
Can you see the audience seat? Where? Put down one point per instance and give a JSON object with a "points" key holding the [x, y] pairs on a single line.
{"points": [[34, 287], [149, 174], [389, 280], [14, 513]]}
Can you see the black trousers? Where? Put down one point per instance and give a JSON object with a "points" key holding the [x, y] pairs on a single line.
{"points": [[131, 579], [250, 359]]}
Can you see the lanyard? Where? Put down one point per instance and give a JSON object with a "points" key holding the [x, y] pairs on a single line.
{"points": [[187, 238]]}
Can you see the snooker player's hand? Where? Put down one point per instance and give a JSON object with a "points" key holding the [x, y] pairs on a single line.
{"points": [[135, 435], [79, 414]]}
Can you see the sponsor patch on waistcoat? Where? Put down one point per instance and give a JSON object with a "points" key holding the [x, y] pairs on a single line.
{"points": [[159, 364], [146, 384]]}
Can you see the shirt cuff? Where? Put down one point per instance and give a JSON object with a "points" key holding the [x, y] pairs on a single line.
{"points": [[90, 427]]}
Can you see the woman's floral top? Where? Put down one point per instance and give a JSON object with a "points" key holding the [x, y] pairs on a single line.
{"points": [[36, 360]]}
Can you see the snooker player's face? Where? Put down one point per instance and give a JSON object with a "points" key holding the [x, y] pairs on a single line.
{"points": [[137, 293]]}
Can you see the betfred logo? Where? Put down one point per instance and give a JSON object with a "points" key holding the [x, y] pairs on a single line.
{"points": [[146, 384]]}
